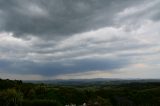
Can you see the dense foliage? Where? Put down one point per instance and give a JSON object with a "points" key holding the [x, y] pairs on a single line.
{"points": [[17, 93]]}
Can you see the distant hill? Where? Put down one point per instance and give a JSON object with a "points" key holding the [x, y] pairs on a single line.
{"points": [[98, 81]]}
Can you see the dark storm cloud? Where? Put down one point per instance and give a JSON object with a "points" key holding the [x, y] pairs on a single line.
{"points": [[97, 35], [57, 17], [4, 64], [65, 67]]}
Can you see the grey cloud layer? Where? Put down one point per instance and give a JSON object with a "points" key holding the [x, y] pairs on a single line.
{"points": [[98, 35], [63, 67], [48, 18]]}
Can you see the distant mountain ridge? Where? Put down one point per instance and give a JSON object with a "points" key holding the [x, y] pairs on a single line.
{"points": [[98, 81]]}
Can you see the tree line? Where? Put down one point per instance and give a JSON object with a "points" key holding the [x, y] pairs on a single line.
{"points": [[17, 93]]}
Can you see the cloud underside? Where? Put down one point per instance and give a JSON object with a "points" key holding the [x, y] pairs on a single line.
{"points": [[79, 37], [58, 17]]}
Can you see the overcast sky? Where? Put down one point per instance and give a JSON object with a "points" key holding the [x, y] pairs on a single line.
{"points": [[74, 39]]}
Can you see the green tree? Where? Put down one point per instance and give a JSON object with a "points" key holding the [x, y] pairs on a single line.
{"points": [[11, 97]]}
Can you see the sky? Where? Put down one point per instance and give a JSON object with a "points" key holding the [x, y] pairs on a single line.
{"points": [[79, 39]]}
